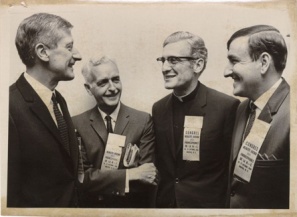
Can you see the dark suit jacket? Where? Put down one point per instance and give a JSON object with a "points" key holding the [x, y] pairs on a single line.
{"points": [[269, 185], [41, 173], [109, 185], [195, 184]]}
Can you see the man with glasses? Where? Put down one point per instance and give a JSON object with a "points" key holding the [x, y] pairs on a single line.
{"points": [[193, 128]]}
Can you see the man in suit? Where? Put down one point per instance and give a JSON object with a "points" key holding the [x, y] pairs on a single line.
{"points": [[193, 128], [42, 147], [257, 57], [121, 185]]}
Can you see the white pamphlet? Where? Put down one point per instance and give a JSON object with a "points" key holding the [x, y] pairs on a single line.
{"points": [[249, 150], [191, 140], [113, 152]]}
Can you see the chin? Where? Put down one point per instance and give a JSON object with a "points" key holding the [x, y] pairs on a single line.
{"points": [[169, 86]]}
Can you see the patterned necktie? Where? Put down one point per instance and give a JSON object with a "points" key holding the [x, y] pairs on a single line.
{"points": [[108, 125], [62, 126], [252, 117]]}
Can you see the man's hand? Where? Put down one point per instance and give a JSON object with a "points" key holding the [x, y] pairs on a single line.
{"points": [[146, 173]]}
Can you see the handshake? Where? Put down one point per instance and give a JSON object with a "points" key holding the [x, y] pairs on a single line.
{"points": [[146, 173]]}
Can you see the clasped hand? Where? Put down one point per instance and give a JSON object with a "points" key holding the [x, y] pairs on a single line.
{"points": [[146, 173]]}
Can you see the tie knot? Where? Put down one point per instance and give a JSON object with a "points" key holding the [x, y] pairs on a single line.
{"points": [[108, 118], [253, 107]]}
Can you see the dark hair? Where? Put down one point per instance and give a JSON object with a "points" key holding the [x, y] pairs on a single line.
{"points": [[264, 38], [38, 28], [197, 44]]}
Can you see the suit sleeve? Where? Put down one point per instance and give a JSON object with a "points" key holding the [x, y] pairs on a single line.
{"points": [[229, 124], [147, 142], [102, 181], [228, 132], [14, 166]]}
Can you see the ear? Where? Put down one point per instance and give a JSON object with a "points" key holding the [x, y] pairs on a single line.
{"points": [[198, 66], [88, 87], [265, 60], [41, 52]]}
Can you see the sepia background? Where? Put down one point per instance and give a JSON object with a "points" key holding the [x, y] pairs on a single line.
{"points": [[133, 34]]}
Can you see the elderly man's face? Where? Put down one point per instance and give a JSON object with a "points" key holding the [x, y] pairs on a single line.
{"points": [[180, 76], [245, 72], [106, 86], [63, 57]]}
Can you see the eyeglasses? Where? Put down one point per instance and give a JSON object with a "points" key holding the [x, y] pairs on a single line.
{"points": [[172, 60]]}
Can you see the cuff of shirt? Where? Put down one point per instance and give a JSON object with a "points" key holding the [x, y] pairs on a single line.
{"points": [[127, 182]]}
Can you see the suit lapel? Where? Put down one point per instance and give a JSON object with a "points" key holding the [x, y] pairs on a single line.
{"points": [[266, 115], [241, 119], [98, 125], [198, 107], [167, 115], [274, 102], [37, 106], [122, 120]]}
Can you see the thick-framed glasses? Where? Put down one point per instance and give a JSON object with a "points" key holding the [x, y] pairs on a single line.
{"points": [[172, 60]]}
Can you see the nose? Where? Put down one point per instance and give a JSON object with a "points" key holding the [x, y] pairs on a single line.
{"points": [[166, 66], [111, 86], [228, 71], [76, 55]]}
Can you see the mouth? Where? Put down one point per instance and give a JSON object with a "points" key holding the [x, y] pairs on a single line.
{"points": [[235, 77], [112, 95], [168, 76], [70, 65]]}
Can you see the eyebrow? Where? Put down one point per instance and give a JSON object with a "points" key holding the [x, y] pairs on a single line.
{"points": [[107, 79], [232, 57]]}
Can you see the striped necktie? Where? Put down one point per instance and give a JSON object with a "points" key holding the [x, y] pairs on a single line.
{"points": [[62, 126]]}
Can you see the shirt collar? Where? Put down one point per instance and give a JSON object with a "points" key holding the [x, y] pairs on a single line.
{"points": [[263, 99], [42, 91], [113, 115]]}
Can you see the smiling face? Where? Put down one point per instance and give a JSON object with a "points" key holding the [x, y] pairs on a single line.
{"points": [[62, 57], [181, 76], [245, 72], [106, 86]]}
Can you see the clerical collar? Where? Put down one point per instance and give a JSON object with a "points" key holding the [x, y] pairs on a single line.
{"points": [[188, 97]]}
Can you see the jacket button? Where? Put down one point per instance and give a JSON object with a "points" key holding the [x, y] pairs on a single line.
{"points": [[176, 180], [232, 193]]}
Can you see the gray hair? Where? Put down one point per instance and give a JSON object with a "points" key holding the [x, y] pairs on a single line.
{"points": [[39, 28], [198, 48], [93, 62]]}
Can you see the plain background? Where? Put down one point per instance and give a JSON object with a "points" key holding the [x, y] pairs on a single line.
{"points": [[133, 34]]}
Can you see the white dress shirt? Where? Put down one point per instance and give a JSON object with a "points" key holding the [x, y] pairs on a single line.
{"points": [[264, 98], [44, 93]]}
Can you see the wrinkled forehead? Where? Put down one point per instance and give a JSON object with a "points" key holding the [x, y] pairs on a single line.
{"points": [[106, 70]]}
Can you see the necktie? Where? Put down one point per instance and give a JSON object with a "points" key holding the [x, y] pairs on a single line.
{"points": [[62, 126], [252, 117], [108, 124]]}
